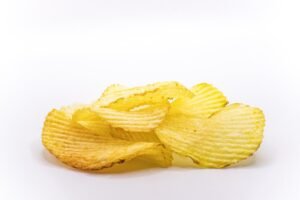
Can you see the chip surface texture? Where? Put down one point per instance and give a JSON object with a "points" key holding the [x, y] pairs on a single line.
{"points": [[151, 123]]}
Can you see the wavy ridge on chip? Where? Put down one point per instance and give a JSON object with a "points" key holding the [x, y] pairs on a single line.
{"points": [[81, 148], [134, 136], [150, 122], [120, 97], [206, 100], [144, 120], [229, 136]]}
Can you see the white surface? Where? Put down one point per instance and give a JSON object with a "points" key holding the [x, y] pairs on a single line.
{"points": [[58, 52]]}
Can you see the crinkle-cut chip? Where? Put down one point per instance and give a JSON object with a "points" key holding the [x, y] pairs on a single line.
{"points": [[122, 98], [134, 136], [112, 89], [90, 120], [207, 100], [143, 120], [232, 134], [141, 107], [141, 137], [81, 148], [71, 109]]}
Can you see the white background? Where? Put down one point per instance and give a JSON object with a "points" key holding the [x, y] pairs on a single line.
{"points": [[58, 52]]}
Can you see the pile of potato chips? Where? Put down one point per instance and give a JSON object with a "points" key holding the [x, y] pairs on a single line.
{"points": [[152, 122]]}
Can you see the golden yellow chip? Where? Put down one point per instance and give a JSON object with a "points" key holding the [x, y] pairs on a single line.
{"points": [[141, 137], [142, 120], [122, 98], [81, 148], [150, 123], [206, 100], [232, 134], [69, 110], [90, 120], [114, 88], [134, 136]]}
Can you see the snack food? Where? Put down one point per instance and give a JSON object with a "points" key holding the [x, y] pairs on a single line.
{"points": [[151, 122], [85, 149]]}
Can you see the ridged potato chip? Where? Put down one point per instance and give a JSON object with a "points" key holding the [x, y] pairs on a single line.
{"points": [[142, 120], [135, 136], [150, 123], [69, 110], [206, 100], [122, 98], [232, 134], [84, 149], [111, 89], [142, 137], [90, 120]]}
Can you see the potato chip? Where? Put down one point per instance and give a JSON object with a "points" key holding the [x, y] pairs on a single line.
{"points": [[121, 98], [114, 88], [142, 137], [232, 134], [206, 100], [90, 120], [81, 148], [151, 123], [142, 120], [134, 136], [69, 110]]}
